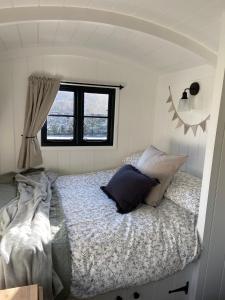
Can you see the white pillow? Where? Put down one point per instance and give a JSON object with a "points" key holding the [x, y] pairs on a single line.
{"points": [[185, 190], [158, 164], [133, 158]]}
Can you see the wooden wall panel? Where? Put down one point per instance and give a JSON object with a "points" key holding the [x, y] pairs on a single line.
{"points": [[135, 110], [166, 135], [141, 119]]}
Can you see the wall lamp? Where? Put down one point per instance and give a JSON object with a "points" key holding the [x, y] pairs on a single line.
{"points": [[193, 90]]}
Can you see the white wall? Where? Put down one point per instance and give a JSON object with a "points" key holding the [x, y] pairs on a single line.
{"points": [[136, 110], [211, 221], [166, 135], [143, 113]]}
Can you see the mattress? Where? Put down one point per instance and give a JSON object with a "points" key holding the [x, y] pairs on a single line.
{"points": [[111, 250]]}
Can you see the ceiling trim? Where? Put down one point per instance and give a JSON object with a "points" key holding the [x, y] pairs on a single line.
{"points": [[46, 13]]}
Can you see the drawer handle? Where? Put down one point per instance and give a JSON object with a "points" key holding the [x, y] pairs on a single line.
{"points": [[181, 289]]}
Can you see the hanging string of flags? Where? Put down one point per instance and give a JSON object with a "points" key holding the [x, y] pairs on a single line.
{"points": [[180, 122]]}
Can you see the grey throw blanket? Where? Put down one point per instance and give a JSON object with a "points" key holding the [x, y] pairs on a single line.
{"points": [[25, 236], [61, 253]]}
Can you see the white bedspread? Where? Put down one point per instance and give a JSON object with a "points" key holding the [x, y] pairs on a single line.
{"points": [[111, 250]]}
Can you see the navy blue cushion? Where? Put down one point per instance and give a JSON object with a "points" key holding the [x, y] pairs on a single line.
{"points": [[129, 188]]}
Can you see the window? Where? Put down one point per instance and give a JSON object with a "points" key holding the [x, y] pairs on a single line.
{"points": [[80, 116]]}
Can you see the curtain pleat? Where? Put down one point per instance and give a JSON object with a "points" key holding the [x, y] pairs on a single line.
{"points": [[40, 97]]}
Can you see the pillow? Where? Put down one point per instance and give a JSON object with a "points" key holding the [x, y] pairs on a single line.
{"points": [[128, 188], [133, 158], [185, 190], [157, 164]]}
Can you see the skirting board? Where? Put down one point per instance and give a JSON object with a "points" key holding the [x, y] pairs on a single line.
{"points": [[158, 290]]}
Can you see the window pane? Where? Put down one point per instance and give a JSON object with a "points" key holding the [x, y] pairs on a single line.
{"points": [[60, 128], [63, 104], [96, 104], [95, 129]]}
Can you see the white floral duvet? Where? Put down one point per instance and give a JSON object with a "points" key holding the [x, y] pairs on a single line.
{"points": [[111, 250]]}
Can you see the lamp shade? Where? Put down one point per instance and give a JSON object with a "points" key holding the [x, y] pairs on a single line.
{"points": [[184, 96]]}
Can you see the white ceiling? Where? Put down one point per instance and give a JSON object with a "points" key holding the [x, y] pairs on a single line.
{"points": [[198, 19]]}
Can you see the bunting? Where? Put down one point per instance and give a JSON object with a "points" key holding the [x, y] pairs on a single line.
{"points": [[175, 116], [169, 99], [172, 108], [180, 122], [194, 129]]}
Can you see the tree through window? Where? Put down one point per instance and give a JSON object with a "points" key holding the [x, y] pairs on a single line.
{"points": [[80, 116]]}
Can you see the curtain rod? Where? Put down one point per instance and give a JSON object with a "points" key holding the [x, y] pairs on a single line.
{"points": [[93, 84]]}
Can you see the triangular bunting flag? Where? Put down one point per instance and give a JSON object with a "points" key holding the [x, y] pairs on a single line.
{"points": [[172, 108], [179, 123], [194, 129], [203, 125], [169, 99], [186, 128], [175, 116]]}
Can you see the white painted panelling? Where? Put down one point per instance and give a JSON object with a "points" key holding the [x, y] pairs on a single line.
{"points": [[10, 35], [83, 3], [101, 36], [136, 110], [83, 31], [21, 3], [211, 222], [144, 49], [110, 4], [3, 46], [47, 32], [172, 58], [135, 113], [7, 115], [51, 2], [65, 33], [188, 17], [166, 135], [205, 27], [5, 4], [29, 34]]}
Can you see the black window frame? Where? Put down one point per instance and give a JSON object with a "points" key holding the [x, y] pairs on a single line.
{"points": [[78, 115]]}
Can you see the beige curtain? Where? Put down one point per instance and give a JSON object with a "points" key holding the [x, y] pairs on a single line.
{"points": [[40, 97]]}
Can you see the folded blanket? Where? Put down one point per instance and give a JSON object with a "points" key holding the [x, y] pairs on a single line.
{"points": [[25, 236]]}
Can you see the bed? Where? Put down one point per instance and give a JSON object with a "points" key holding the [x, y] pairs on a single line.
{"points": [[96, 250], [111, 250]]}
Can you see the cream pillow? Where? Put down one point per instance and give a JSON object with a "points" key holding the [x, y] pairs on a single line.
{"points": [[133, 158], [158, 164]]}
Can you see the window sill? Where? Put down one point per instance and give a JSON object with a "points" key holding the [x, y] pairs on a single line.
{"points": [[78, 148]]}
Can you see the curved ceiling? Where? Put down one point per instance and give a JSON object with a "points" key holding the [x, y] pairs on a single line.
{"points": [[68, 37], [193, 26]]}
